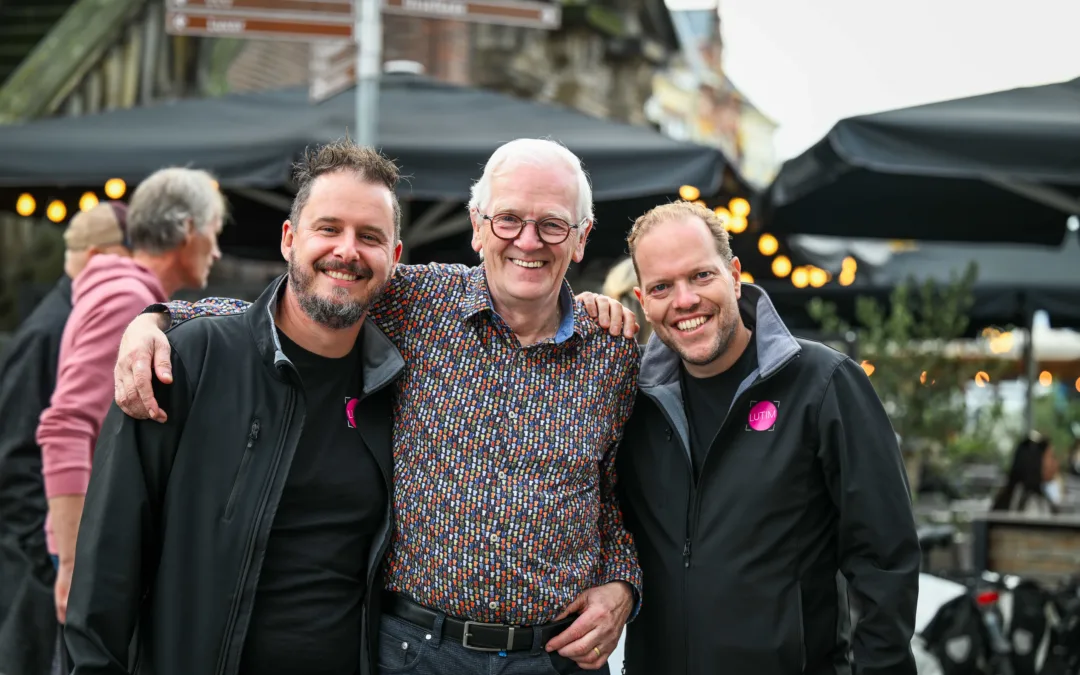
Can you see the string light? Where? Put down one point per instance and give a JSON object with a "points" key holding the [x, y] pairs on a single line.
{"points": [[115, 188], [739, 207], [868, 368], [767, 244], [25, 205], [88, 201], [847, 277], [1045, 378], [781, 266], [746, 277], [981, 378], [818, 277], [56, 211], [922, 377], [800, 277], [689, 192], [737, 224], [701, 203]]}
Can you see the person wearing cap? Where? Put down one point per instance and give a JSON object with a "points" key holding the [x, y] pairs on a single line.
{"points": [[27, 380], [173, 223]]}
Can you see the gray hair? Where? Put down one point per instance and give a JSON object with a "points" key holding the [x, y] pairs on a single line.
{"points": [[162, 206], [538, 152]]}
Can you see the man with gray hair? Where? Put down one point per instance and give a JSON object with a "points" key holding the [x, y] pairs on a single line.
{"points": [[509, 554], [173, 222]]}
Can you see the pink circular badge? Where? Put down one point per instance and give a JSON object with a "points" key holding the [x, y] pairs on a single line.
{"points": [[350, 411], [762, 416]]}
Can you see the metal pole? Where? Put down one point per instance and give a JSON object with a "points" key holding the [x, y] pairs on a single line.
{"points": [[367, 32]]}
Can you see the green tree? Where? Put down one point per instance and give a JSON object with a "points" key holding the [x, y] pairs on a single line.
{"points": [[905, 344]]}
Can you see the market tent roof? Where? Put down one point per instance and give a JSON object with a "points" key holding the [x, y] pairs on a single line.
{"points": [[999, 167], [1012, 281], [440, 134]]}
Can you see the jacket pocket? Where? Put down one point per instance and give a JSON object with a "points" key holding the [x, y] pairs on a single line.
{"points": [[750, 630], [241, 473]]}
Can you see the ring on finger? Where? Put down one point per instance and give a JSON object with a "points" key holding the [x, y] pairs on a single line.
{"points": [[597, 650]]}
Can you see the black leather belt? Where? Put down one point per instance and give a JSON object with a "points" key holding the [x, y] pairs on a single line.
{"points": [[484, 637]]}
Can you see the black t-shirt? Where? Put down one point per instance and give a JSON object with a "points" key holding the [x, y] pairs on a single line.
{"points": [[708, 399], [308, 602]]}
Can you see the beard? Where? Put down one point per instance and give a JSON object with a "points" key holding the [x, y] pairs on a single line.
{"points": [[340, 310], [727, 324]]}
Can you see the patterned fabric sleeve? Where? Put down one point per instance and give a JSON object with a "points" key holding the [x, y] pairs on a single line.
{"points": [[180, 311], [618, 554], [411, 288]]}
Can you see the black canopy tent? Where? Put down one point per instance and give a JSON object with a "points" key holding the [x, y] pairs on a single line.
{"points": [[1012, 283], [1001, 167], [440, 134]]}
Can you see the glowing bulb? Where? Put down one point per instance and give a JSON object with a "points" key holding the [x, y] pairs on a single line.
{"points": [[739, 207], [847, 277], [1001, 343], [1078, 384], [781, 266], [723, 214], [1045, 378], [767, 244], [981, 378], [56, 211], [701, 203], [88, 201], [800, 277], [737, 225], [868, 368], [25, 205], [746, 277], [849, 264], [115, 188], [689, 192], [818, 277], [922, 377]]}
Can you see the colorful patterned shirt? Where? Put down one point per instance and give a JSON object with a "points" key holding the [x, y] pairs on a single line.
{"points": [[504, 476]]}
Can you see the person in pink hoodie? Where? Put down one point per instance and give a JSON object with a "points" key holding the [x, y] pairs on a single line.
{"points": [[174, 219]]}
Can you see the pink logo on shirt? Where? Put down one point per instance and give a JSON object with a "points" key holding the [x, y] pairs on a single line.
{"points": [[350, 411], [762, 416]]}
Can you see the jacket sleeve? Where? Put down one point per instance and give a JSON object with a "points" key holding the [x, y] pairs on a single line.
{"points": [[879, 547], [618, 555], [180, 311], [119, 538]]}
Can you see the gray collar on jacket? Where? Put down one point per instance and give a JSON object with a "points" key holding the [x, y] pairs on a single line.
{"points": [[776, 347], [381, 361]]}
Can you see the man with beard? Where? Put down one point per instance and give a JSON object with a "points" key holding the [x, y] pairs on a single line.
{"points": [[509, 553], [242, 535], [757, 471]]}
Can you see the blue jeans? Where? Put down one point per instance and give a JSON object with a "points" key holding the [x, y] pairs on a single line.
{"points": [[406, 649]]}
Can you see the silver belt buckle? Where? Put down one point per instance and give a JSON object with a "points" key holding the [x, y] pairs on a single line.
{"points": [[466, 635]]}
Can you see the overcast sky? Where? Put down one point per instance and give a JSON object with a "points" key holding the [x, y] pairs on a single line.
{"points": [[808, 63]]}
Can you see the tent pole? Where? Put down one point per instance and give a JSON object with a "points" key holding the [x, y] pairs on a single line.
{"points": [[367, 32], [1029, 372]]}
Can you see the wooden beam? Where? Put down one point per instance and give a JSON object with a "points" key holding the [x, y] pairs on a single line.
{"points": [[58, 63]]}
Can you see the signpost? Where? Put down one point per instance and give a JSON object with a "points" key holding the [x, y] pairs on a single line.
{"points": [[344, 31]]}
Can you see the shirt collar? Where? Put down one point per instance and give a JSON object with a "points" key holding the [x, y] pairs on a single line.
{"points": [[477, 299]]}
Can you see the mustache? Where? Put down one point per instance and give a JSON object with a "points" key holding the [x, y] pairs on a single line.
{"points": [[356, 269]]}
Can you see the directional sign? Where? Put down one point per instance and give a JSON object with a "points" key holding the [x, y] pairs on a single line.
{"points": [[525, 13], [304, 20], [222, 25]]}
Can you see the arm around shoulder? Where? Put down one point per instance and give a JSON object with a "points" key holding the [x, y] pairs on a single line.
{"points": [[879, 547]]}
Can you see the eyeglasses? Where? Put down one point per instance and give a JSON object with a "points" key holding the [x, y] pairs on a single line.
{"points": [[508, 227]]}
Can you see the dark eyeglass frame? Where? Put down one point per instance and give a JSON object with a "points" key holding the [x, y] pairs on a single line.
{"points": [[523, 221]]}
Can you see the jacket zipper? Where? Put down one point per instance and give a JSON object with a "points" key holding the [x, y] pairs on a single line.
{"points": [[234, 609], [253, 435]]}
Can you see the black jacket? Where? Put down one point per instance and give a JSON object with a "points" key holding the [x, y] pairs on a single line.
{"points": [[27, 380], [741, 570], [178, 515]]}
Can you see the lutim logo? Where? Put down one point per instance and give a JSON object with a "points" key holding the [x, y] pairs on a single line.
{"points": [[762, 415], [350, 411]]}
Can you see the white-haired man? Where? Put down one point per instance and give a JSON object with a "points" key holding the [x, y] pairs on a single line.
{"points": [[509, 553], [173, 222]]}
